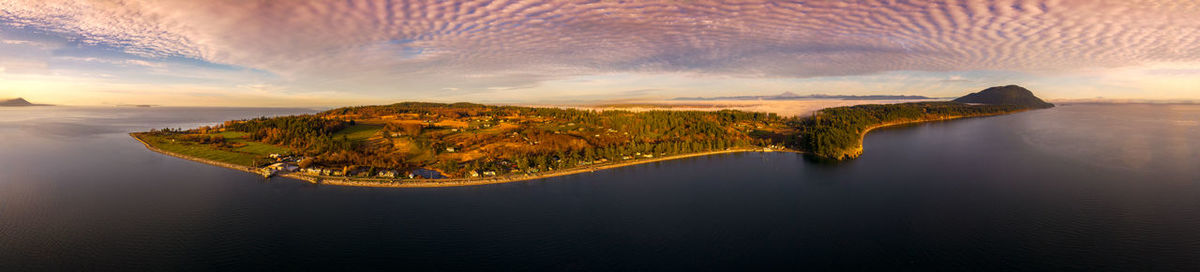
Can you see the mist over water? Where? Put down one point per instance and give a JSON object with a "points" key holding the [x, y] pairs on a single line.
{"points": [[1079, 187]]}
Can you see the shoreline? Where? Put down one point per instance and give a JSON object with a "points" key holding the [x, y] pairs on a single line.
{"points": [[862, 137], [243, 168], [450, 182], [457, 182]]}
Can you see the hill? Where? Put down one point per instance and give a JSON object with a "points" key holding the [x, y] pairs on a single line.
{"points": [[1005, 95], [17, 102]]}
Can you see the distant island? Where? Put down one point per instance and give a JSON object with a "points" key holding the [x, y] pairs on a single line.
{"points": [[415, 144], [19, 102], [793, 96], [1006, 95]]}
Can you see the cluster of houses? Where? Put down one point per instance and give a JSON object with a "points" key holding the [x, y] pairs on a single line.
{"points": [[290, 167], [282, 164], [319, 171], [388, 174], [289, 164]]}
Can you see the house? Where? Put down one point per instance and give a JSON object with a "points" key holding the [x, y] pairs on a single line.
{"points": [[489, 173], [283, 167], [473, 173], [387, 174], [450, 149], [427, 173]]}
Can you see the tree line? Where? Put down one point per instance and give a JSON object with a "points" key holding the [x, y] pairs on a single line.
{"points": [[830, 132]]}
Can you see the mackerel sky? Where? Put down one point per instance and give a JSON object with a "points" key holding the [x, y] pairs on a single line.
{"points": [[331, 53]]}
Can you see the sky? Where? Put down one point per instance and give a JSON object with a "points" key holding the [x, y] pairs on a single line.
{"points": [[336, 53]]}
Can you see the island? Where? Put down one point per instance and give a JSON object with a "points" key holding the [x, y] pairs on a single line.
{"points": [[1005, 95], [18, 102], [417, 144]]}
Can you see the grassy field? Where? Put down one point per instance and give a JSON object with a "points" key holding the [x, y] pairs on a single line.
{"points": [[233, 134], [247, 153], [203, 151], [252, 147], [262, 149], [358, 132]]}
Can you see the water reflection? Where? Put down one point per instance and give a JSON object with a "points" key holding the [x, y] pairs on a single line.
{"points": [[1070, 188], [1145, 138]]}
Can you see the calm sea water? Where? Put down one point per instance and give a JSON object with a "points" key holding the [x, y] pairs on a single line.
{"points": [[1077, 187]]}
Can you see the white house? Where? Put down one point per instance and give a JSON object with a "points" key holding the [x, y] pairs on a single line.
{"points": [[283, 167]]}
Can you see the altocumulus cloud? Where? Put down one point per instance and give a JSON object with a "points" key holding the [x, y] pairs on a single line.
{"points": [[435, 46]]}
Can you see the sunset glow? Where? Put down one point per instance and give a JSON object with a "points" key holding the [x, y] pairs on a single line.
{"points": [[331, 53]]}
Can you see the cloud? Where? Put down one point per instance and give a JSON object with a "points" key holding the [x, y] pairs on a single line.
{"points": [[421, 47], [956, 79]]}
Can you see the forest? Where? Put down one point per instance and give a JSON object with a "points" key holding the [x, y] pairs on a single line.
{"points": [[836, 133]]}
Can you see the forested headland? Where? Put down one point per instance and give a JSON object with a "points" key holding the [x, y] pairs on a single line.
{"points": [[837, 133]]}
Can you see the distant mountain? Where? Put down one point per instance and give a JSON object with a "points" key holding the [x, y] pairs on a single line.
{"points": [[18, 102], [794, 96], [136, 105], [1005, 95]]}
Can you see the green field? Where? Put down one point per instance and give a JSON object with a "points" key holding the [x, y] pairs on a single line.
{"points": [[358, 132], [249, 154], [233, 134], [202, 151], [261, 148], [252, 146]]}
